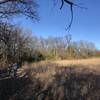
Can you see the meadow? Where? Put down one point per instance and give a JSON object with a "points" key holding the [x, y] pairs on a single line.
{"points": [[54, 80], [46, 68]]}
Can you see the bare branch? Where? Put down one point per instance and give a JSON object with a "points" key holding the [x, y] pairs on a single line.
{"points": [[10, 8], [71, 4]]}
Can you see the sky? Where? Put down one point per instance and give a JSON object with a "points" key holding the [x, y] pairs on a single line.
{"points": [[86, 23]]}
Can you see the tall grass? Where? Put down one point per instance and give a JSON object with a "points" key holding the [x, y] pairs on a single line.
{"points": [[51, 81]]}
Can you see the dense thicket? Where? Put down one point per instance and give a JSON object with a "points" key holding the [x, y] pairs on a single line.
{"points": [[14, 44]]}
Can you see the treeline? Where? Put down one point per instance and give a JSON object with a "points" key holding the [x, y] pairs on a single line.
{"points": [[18, 46], [63, 48]]}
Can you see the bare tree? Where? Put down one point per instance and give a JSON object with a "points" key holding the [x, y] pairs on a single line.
{"points": [[14, 44], [9, 8]]}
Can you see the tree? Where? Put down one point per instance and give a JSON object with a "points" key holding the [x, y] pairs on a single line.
{"points": [[10, 8], [86, 49], [14, 45]]}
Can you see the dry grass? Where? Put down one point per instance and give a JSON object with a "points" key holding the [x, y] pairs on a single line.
{"points": [[63, 80], [46, 69], [92, 62], [84, 62], [55, 80]]}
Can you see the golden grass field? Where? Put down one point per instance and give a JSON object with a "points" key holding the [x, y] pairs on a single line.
{"points": [[91, 61], [54, 80], [45, 69]]}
